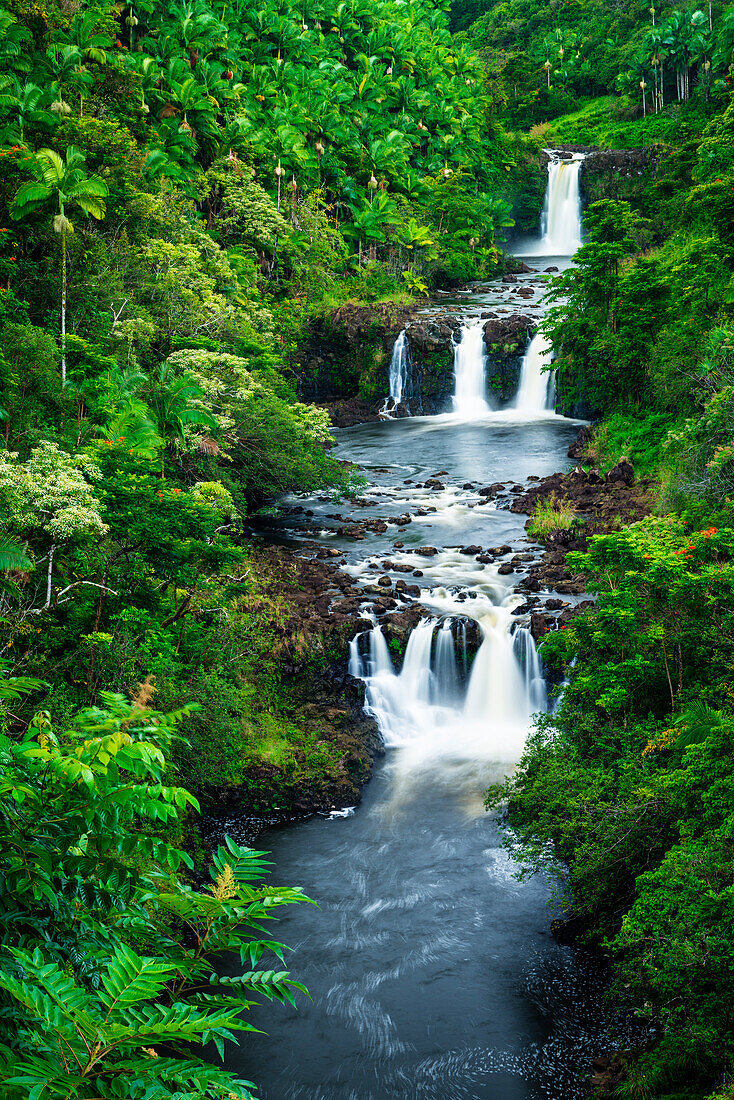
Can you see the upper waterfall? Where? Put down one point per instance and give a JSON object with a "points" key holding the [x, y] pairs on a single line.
{"points": [[560, 225], [469, 400]]}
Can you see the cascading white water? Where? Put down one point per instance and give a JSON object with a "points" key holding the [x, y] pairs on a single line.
{"points": [[561, 222], [469, 355], [535, 687], [398, 377], [425, 707], [536, 391]]}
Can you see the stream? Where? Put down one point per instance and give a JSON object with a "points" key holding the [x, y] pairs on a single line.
{"points": [[432, 970]]}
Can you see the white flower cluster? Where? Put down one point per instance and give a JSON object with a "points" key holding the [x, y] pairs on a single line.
{"points": [[51, 491]]}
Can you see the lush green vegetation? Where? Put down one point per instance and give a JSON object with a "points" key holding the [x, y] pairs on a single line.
{"points": [[627, 781], [108, 973], [551, 515], [183, 189]]}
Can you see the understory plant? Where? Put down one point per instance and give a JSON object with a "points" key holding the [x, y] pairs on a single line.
{"points": [[108, 953], [554, 514]]}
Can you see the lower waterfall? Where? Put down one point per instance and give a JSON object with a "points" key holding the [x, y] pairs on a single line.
{"points": [[429, 706]]}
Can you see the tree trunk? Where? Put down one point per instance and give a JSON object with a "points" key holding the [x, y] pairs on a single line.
{"points": [[63, 307], [49, 571]]}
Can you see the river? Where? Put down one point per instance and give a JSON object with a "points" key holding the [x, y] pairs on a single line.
{"points": [[431, 967]]}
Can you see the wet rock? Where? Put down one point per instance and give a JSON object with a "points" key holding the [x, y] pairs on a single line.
{"points": [[433, 484], [500, 551], [492, 490], [552, 268], [539, 625], [579, 448], [470, 551], [400, 624], [467, 485], [417, 572], [385, 582], [554, 605], [509, 278], [505, 569], [426, 551]]}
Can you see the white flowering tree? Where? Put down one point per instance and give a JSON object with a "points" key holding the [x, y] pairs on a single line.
{"points": [[49, 501]]}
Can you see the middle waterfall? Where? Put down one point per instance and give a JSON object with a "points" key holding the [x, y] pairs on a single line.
{"points": [[470, 402], [536, 391], [399, 376]]}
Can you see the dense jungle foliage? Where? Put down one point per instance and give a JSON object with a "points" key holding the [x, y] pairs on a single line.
{"points": [[183, 189], [628, 780]]}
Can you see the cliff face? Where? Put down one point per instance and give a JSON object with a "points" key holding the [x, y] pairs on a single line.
{"points": [[620, 173], [506, 340], [345, 361]]}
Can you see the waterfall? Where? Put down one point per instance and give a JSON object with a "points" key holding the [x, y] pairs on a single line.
{"points": [[469, 399], [536, 694], [536, 391], [426, 705], [446, 675], [398, 377], [561, 222]]}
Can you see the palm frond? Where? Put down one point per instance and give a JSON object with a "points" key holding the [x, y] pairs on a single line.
{"points": [[13, 556]]}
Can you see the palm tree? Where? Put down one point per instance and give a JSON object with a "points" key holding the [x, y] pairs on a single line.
{"points": [[66, 183], [24, 100], [86, 44], [177, 405], [12, 555]]}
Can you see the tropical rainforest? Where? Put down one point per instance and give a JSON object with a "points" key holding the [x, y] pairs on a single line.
{"points": [[185, 188]]}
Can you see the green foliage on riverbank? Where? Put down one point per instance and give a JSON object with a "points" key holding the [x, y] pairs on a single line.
{"points": [[108, 971], [628, 780]]}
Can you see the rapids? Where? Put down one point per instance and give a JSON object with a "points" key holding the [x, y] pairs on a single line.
{"points": [[431, 967]]}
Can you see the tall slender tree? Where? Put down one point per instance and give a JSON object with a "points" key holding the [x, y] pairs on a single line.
{"points": [[65, 183]]}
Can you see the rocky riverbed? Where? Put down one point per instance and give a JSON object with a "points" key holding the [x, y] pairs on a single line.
{"points": [[327, 605]]}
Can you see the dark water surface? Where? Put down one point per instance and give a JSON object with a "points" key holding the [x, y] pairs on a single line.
{"points": [[432, 970]]}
